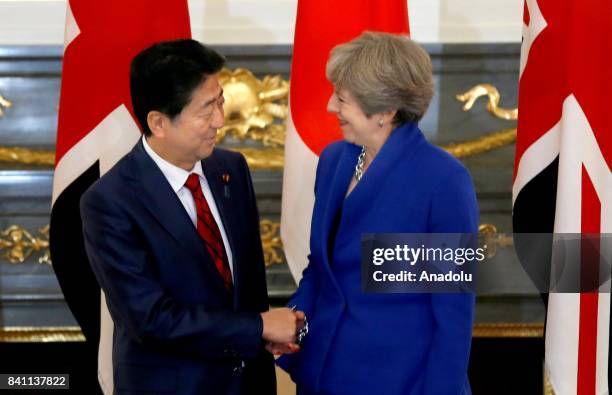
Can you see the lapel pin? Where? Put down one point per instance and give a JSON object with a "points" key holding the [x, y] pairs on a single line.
{"points": [[226, 179]]}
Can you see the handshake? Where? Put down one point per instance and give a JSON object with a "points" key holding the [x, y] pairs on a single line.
{"points": [[283, 329]]}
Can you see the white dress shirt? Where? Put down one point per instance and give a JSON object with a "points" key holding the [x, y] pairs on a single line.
{"points": [[176, 178]]}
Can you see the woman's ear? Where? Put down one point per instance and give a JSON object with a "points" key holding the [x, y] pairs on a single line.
{"points": [[388, 116], [157, 123]]}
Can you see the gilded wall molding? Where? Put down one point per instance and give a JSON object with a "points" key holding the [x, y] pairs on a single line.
{"points": [[74, 334], [27, 156], [4, 103], [43, 334], [508, 329], [17, 244], [548, 388], [491, 240], [470, 96], [490, 141], [263, 159], [482, 144], [273, 158], [271, 241], [256, 110]]}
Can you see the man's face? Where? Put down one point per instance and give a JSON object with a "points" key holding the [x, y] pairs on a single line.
{"points": [[190, 136]]}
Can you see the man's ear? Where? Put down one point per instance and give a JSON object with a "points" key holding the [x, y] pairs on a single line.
{"points": [[158, 123]]}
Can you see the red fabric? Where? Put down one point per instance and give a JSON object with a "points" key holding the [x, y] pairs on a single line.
{"points": [[589, 301], [96, 64], [570, 56], [321, 26], [209, 230]]}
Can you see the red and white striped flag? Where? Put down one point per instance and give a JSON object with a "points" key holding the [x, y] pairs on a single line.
{"points": [[320, 26], [96, 128], [562, 179]]}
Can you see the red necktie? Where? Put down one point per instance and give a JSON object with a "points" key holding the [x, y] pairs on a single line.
{"points": [[209, 231]]}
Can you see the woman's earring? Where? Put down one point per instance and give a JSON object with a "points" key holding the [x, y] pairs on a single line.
{"points": [[381, 123]]}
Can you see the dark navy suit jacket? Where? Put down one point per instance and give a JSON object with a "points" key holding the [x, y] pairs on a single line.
{"points": [[383, 343], [177, 330]]}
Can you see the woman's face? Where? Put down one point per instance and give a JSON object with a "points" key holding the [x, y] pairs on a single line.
{"points": [[356, 127]]}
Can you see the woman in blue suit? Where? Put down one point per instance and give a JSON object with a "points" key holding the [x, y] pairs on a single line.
{"points": [[385, 177]]}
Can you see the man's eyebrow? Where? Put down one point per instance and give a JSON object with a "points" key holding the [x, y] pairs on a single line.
{"points": [[214, 99]]}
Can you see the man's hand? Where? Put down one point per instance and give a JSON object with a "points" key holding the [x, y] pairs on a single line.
{"points": [[281, 325]]}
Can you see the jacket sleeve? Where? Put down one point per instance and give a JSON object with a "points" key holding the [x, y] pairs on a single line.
{"points": [[138, 302], [307, 291], [256, 251], [454, 209]]}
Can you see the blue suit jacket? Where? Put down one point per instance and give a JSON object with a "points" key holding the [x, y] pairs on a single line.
{"points": [[383, 343], [177, 330]]}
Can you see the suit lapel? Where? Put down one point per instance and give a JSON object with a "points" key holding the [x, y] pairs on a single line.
{"points": [[162, 202], [338, 187], [401, 145]]}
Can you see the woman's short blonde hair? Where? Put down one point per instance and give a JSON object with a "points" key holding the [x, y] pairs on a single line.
{"points": [[384, 72]]}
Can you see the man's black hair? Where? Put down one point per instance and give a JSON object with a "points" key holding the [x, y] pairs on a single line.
{"points": [[164, 76]]}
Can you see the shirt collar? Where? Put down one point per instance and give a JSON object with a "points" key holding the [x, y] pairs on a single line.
{"points": [[175, 175]]}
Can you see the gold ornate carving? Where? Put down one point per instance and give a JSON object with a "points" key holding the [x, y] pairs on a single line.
{"points": [[271, 241], [258, 159], [43, 334], [548, 388], [254, 107], [273, 158], [4, 103], [269, 158], [490, 240], [482, 144], [27, 156], [20, 244], [470, 97], [263, 159], [492, 140], [74, 334], [256, 110], [506, 329]]}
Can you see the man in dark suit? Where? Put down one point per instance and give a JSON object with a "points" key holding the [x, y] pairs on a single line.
{"points": [[172, 234]]}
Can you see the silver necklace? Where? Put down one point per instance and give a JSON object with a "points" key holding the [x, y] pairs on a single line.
{"points": [[359, 165]]}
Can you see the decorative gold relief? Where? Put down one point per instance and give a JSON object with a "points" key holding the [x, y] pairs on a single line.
{"points": [[263, 159], [271, 241], [4, 103], [482, 144], [548, 388], [490, 141], [27, 156], [506, 329], [42, 334], [20, 244], [490, 240], [254, 108], [470, 97], [74, 334]]}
